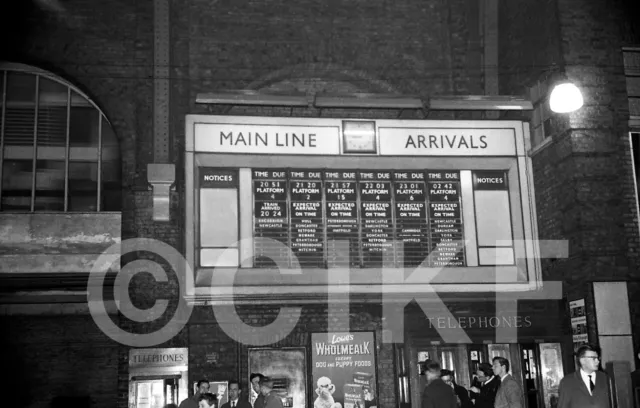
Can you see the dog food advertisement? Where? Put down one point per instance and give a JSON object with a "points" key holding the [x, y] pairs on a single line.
{"points": [[344, 370]]}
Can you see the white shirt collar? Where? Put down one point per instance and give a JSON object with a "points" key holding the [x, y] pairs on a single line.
{"points": [[585, 378], [503, 377], [489, 380]]}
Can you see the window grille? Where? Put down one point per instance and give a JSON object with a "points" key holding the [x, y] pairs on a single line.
{"points": [[58, 151]]}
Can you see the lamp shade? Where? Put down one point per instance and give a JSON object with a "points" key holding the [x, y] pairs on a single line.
{"points": [[565, 98]]}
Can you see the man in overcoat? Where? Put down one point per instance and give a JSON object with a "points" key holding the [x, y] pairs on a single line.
{"points": [[587, 387]]}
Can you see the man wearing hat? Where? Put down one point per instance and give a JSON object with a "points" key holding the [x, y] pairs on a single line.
{"points": [[271, 399]]}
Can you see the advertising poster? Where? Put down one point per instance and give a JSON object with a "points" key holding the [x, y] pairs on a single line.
{"points": [[344, 370], [578, 323]]}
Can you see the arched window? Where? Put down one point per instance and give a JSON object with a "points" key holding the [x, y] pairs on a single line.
{"points": [[58, 151]]}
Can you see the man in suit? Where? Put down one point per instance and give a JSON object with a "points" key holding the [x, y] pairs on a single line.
{"points": [[437, 394], [509, 393], [271, 399], [234, 397], [194, 401], [255, 397], [207, 400], [587, 387], [485, 393], [461, 393]]}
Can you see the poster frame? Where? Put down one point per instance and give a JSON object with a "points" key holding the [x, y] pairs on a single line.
{"points": [[311, 394], [301, 349], [578, 320]]}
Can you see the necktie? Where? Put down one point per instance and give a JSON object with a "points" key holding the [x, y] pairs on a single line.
{"points": [[592, 386], [233, 404]]}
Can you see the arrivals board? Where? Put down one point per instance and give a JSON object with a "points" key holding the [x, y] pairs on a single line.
{"points": [[357, 218]]}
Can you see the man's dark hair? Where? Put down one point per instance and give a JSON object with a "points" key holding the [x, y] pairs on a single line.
{"points": [[486, 369], [254, 375], [202, 382], [583, 350], [433, 366], [503, 362], [235, 382], [267, 382], [211, 399]]}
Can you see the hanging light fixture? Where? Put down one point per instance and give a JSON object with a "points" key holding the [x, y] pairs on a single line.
{"points": [[565, 97]]}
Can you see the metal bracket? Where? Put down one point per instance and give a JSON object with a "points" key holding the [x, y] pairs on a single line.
{"points": [[161, 177]]}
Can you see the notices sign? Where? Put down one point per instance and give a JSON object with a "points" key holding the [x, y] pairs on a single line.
{"points": [[344, 369], [578, 323]]}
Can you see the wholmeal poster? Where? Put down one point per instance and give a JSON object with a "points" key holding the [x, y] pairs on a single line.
{"points": [[344, 370]]}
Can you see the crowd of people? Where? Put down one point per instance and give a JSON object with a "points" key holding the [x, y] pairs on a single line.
{"points": [[494, 387], [261, 395]]}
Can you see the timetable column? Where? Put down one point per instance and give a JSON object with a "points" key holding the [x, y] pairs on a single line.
{"points": [[270, 218], [342, 217], [376, 217], [411, 217], [307, 227], [445, 218]]}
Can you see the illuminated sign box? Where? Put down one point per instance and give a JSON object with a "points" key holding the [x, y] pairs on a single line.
{"points": [[274, 204]]}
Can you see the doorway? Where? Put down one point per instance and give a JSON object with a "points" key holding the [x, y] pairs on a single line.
{"points": [[450, 357], [155, 392], [530, 363]]}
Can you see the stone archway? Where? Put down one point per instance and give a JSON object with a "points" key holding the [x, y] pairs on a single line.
{"points": [[317, 77], [310, 79]]}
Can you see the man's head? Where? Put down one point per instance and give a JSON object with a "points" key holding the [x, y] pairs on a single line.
{"points": [[234, 390], [255, 379], [207, 400], [500, 366], [433, 370], [484, 372], [447, 377], [203, 386], [266, 385], [588, 359]]}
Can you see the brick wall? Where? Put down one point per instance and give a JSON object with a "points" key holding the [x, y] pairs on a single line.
{"points": [[49, 356], [406, 44], [528, 43], [105, 50], [583, 179]]}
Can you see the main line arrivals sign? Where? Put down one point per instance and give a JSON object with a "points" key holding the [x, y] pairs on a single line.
{"points": [[344, 369], [309, 138]]}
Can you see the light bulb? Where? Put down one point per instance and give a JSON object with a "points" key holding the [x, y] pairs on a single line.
{"points": [[565, 98]]}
